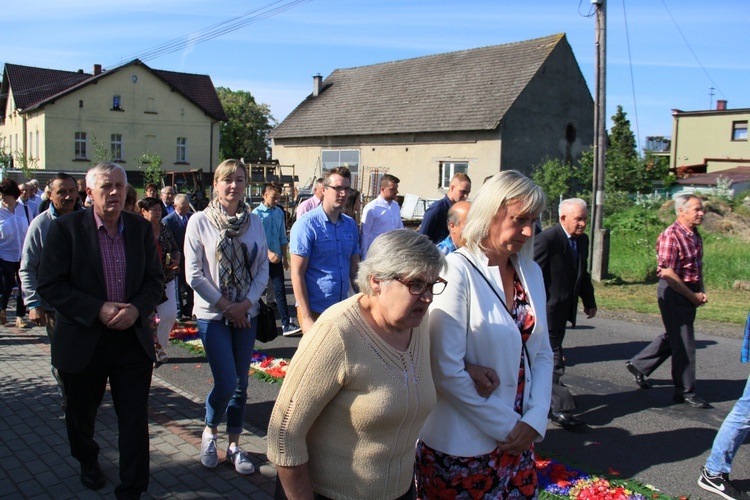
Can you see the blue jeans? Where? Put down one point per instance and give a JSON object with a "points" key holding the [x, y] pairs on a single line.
{"points": [[229, 351], [276, 273], [731, 435]]}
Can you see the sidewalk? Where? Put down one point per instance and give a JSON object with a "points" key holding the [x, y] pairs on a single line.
{"points": [[35, 459]]}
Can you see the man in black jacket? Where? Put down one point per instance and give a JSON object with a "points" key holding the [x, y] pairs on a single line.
{"points": [[562, 253], [100, 271]]}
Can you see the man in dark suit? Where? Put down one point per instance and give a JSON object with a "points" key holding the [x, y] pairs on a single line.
{"points": [[177, 222], [562, 252], [100, 271]]}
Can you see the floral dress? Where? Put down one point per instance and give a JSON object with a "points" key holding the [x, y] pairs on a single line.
{"points": [[497, 474]]}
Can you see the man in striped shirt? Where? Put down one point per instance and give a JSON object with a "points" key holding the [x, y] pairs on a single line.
{"points": [[680, 292]]}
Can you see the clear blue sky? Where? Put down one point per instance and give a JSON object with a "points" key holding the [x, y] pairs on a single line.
{"points": [[274, 58]]}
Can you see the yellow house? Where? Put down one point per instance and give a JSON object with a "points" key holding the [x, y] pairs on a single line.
{"points": [[476, 111], [711, 140], [62, 121]]}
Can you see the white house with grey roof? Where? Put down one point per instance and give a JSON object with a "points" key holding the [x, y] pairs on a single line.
{"points": [[479, 111]]}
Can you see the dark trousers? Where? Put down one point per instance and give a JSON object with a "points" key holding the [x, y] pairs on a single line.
{"points": [[276, 273], [184, 308], [120, 358], [678, 341], [562, 399], [9, 274]]}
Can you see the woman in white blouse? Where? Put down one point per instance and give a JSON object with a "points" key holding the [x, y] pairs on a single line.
{"points": [[13, 227], [493, 314]]}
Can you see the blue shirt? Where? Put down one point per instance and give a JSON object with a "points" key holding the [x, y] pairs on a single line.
{"points": [[274, 224], [329, 248], [447, 246], [435, 221]]}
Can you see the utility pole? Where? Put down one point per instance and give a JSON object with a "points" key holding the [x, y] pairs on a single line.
{"points": [[600, 237]]}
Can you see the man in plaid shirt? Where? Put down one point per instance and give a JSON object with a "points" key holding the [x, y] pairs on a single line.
{"points": [[680, 292]]}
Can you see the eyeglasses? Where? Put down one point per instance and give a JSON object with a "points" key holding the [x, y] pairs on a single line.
{"points": [[339, 189], [420, 287]]}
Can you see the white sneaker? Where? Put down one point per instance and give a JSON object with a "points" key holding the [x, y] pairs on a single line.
{"points": [[241, 461], [209, 454]]}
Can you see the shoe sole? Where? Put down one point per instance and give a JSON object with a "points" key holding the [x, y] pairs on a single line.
{"points": [[292, 333], [713, 489]]}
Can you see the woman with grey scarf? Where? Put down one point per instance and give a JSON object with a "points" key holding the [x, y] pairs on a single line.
{"points": [[226, 261]]}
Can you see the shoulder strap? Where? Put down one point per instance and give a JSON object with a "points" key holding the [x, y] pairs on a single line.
{"points": [[485, 279]]}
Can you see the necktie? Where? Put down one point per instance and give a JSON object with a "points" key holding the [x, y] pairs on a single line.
{"points": [[574, 246], [26, 209]]}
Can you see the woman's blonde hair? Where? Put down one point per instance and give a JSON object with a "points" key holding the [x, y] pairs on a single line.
{"points": [[227, 168], [497, 192]]}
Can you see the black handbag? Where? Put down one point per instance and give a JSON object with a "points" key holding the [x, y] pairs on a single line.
{"points": [[267, 329]]}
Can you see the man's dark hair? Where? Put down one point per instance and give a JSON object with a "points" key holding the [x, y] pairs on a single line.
{"points": [[342, 171], [61, 176], [387, 178]]}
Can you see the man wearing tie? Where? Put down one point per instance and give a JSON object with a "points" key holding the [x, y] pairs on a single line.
{"points": [[30, 208], [562, 253], [177, 222]]}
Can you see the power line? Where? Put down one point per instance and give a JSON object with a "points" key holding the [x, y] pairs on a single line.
{"points": [[632, 80], [691, 49], [214, 31]]}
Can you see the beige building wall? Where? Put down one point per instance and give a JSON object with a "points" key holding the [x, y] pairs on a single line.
{"points": [[151, 119], [708, 135], [416, 165]]}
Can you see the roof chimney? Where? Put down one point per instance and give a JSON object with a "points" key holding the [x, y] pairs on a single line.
{"points": [[721, 105], [317, 85], [97, 69]]}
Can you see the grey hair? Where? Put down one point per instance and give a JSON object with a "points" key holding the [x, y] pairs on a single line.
{"points": [[103, 168], [570, 202], [681, 201], [496, 193], [179, 197], [401, 253]]}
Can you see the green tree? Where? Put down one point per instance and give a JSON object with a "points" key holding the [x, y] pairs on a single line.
{"points": [[561, 180], [245, 134], [150, 164], [621, 138]]}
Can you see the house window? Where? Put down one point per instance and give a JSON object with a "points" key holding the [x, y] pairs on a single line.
{"points": [[116, 146], [80, 146], [116, 103], [37, 144], [181, 150], [348, 158], [31, 144], [739, 131], [150, 105], [450, 168]]}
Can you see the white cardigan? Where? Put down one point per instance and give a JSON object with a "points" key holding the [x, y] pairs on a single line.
{"points": [[202, 268], [469, 325]]}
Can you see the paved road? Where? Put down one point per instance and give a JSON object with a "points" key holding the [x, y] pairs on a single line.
{"points": [[641, 434]]}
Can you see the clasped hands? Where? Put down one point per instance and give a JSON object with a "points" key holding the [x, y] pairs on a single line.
{"points": [[118, 315]]}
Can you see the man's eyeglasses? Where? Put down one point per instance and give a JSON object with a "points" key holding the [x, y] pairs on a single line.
{"points": [[420, 287], [339, 189]]}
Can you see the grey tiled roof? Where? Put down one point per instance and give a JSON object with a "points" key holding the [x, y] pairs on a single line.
{"points": [[33, 87], [464, 90]]}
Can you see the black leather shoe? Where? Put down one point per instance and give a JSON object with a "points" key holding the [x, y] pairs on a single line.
{"points": [[694, 401], [566, 420], [92, 476], [640, 379]]}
